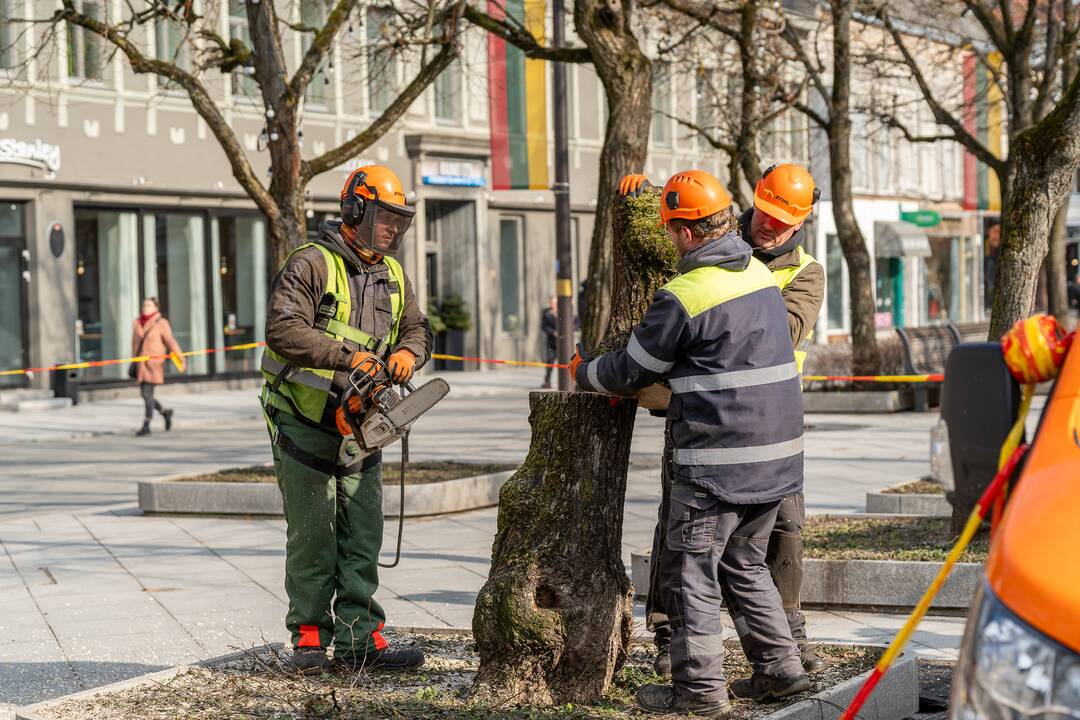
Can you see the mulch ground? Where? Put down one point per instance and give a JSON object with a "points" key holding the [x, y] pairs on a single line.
{"points": [[260, 685], [417, 473], [834, 537]]}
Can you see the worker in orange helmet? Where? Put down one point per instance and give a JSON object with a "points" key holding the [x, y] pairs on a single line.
{"points": [[717, 334], [339, 302]]}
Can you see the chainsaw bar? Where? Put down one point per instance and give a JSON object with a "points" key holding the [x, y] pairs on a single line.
{"points": [[380, 429]]}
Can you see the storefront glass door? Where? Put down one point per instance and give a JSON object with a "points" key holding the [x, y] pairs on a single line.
{"points": [[238, 266], [12, 294]]}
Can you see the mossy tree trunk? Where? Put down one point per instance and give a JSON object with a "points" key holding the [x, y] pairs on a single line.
{"points": [[552, 623]]}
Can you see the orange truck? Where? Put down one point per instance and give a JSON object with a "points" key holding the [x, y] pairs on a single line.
{"points": [[1020, 656]]}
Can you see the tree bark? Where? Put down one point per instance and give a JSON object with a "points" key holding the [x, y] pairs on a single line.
{"points": [[1046, 155], [626, 73], [552, 623], [866, 357], [1056, 284]]}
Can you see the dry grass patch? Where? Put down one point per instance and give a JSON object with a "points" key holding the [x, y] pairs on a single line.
{"points": [[417, 473], [925, 486], [835, 537]]}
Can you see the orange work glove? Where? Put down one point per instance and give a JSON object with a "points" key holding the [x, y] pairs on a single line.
{"points": [[575, 362], [633, 185], [366, 361], [342, 424], [401, 366]]}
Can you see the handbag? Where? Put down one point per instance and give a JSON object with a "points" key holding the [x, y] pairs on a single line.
{"points": [[133, 370]]}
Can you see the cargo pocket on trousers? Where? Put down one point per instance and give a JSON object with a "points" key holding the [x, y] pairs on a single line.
{"points": [[692, 519]]}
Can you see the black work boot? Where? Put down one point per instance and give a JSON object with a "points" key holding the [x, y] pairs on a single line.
{"points": [[664, 700], [662, 664], [145, 430], [167, 414], [763, 688], [310, 660], [406, 659], [811, 661]]}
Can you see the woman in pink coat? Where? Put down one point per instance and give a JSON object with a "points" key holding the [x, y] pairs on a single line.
{"points": [[152, 335]]}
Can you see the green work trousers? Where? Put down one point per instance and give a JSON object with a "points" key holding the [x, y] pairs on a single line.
{"points": [[332, 545]]}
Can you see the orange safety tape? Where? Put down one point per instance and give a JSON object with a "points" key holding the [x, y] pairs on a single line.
{"points": [[133, 360]]}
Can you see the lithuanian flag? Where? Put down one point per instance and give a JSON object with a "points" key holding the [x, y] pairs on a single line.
{"points": [[517, 102], [983, 104]]}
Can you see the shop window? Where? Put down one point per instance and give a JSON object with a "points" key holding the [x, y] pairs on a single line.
{"points": [[174, 271], [511, 274], [107, 283], [242, 82], [448, 94], [85, 51], [890, 288], [9, 35], [239, 277], [661, 102], [12, 293], [381, 68], [836, 280], [313, 14]]}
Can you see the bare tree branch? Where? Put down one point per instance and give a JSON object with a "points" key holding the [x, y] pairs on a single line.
{"points": [[704, 133], [320, 46], [813, 70], [197, 92], [985, 15], [350, 148], [522, 39]]}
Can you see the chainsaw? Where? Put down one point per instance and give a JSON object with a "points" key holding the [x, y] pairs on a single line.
{"points": [[385, 416]]}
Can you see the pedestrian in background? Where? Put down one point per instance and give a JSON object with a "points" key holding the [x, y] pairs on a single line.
{"points": [[549, 323], [152, 335]]}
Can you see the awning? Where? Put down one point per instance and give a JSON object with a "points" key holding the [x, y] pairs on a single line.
{"points": [[900, 239]]}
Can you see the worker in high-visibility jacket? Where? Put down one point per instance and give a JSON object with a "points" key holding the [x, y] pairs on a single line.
{"points": [[337, 302], [783, 200], [716, 334]]}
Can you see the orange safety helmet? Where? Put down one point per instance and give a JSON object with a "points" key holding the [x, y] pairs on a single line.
{"points": [[787, 193], [373, 201], [692, 195]]}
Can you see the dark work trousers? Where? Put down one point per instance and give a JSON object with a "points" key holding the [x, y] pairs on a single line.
{"points": [[785, 561], [711, 544], [550, 352], [655, 616], [147, 390]]}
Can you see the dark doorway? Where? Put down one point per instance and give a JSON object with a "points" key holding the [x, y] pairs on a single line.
{"points": [[14, 271], [451, 254]]}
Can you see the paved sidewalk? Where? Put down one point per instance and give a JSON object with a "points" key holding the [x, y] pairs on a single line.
{"points": [[94, 592]]}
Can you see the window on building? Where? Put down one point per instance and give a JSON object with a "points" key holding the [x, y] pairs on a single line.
{"points": [[169, 37], [9, 35], [107, 285], [13, 338], [860, 152], [313, 13], [511, 275], [835, 282], [705, 110], [447, 89], [883, 160], [661, 102], [381, 65], [798, 136], [85, 51], [242, 81], [239, 271]]}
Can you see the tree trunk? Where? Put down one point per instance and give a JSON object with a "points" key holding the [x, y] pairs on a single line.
{"points": [[287, 233], [605, 28], [1046, 159], [1056, 283], [866, 358], [552, 623]]}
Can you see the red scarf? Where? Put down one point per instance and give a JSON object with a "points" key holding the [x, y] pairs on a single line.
{"points": [[143, 318]]}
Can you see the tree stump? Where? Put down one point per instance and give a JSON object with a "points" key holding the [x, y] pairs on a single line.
{"points": [[552, 624]]}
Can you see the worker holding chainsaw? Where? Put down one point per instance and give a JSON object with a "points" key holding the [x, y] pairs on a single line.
{"points": [[717, 334], [783, 199], [342, 316]]}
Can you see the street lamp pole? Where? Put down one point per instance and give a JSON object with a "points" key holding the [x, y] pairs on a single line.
{"points": [[564, 269]]}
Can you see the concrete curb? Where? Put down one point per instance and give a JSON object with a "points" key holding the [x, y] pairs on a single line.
{"points": [[857, 401], [908, 504], [878, 583], [30, 712], [166, 495], [896, 696]]}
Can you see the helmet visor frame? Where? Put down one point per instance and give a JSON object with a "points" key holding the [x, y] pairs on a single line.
{"points": [[384, 225]]}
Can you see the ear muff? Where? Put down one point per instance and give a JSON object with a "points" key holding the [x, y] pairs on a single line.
{"points": [[672, 200], [352, 208]]}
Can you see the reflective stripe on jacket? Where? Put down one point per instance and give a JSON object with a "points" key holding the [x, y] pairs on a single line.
{"points": [[718, 333]]}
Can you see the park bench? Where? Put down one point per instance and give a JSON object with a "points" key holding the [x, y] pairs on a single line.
{"points": [[925, 350], [970, 332]]}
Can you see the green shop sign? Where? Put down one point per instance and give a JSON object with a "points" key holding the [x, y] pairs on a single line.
{"points": [[922, 218]]}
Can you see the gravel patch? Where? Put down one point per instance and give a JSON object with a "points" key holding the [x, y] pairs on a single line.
{"points": [[260, 685], [918, 487], [417, 473], [834, 537]]}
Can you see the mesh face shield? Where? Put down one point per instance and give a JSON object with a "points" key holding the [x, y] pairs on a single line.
{"points": [[383, 226]]}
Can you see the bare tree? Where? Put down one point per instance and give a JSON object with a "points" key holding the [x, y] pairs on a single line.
{"points": [[1029, 50], [748, 79], [429, 29], [606, 27]]}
